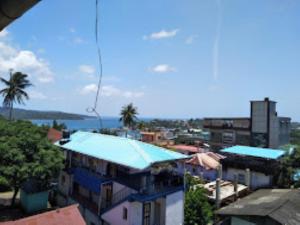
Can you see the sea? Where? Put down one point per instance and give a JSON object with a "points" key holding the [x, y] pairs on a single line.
{"points": [[86, 124]]}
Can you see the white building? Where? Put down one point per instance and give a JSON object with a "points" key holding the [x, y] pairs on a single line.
{"points": [[120, 181]]}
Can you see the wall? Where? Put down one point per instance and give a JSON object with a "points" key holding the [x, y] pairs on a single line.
{"points": [[115, 215], [64, 182], [239, 221], [256, 179], [174, 208], [259, 117]]}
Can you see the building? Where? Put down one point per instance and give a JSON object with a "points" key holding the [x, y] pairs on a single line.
{"points": [[63, 216], [54, 135], [186, 149], [264, 207], [264, 128], [204, 165], [263, 164], [228, 191], [121, 181]]}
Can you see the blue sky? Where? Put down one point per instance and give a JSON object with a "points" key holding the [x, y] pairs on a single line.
{"points": [[171, 58]]}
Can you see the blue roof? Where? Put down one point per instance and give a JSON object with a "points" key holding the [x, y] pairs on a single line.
{"points": [[123, 151], [256, 152]]}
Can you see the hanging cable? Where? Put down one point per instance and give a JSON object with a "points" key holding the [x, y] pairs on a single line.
{"points": [[93, 109]]}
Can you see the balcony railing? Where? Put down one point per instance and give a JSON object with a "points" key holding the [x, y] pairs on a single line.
{"points": [[85, 202]]}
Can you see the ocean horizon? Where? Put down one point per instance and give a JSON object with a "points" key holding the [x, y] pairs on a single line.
{"points": [[87, 124]]}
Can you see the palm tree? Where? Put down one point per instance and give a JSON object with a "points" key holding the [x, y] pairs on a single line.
{"points": [[14, 90], [128, 115]]}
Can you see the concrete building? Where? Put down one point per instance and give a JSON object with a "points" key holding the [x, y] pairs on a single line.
{"points": [[263, 165], [264, 207], [264, 128], [121, 181]]}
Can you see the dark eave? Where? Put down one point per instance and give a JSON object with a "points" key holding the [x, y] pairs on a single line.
{"points": [[11, 10]]}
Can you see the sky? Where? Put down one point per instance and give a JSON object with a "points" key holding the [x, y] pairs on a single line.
{"points": [[171, 58]]}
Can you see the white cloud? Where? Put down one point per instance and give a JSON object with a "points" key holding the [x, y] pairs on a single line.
{"points": [[88, 89], [161, 34], [78, 40], [163, 68], [110, 91], [191, 39], [3, 33], [86, 69], [36, 95], [24, 61]]}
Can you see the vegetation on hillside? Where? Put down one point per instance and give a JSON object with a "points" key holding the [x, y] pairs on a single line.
{"points": [[179, 124], [25, 153]]}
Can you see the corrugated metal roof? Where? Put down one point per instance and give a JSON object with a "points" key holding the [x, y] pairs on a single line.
{"points": [[123, 151], [282, 205], [256, 152], [64, 216]]}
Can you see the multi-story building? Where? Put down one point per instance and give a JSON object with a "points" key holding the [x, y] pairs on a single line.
{"points": [[264, 128], [121, 181]]}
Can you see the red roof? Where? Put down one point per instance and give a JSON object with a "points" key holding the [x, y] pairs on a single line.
{"points": [[187, 148], [65, 216], [54, 135]]}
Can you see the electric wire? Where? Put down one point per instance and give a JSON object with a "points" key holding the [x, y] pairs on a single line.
{"points": [[93, 109]]}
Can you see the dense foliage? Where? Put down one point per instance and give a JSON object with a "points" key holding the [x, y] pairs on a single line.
{"points": [[25, 153], [197, 209], [152, 125], [41, 115]]}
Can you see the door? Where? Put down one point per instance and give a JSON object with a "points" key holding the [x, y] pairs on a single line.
{"points": [[157, 213]]}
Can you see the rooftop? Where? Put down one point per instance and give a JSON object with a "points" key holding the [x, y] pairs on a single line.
{"points": [[208, 160], [63, 216], [255, 152], [186, 148], [123, 151], [282, 205]]}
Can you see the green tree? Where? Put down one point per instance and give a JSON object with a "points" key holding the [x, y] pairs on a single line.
{"points": [[129, 115], [197, 210], [58, 126], [25, 153], [14, 90]]}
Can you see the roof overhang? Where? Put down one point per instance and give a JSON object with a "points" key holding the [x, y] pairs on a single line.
{"points": [[11, 10]]}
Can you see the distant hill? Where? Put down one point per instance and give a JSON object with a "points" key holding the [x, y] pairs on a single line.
{"points": [[40, 115]]}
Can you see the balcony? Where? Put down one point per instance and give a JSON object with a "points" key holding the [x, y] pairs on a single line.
{"points": [[85, 202]]}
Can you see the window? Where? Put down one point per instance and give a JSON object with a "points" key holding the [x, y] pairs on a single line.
{"points": [[125, 212], [147, 213]]}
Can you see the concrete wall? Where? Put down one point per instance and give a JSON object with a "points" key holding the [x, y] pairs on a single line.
{"points": [[239, 221], [257, 179], [115, 215], [259, 117], [174, 208]]}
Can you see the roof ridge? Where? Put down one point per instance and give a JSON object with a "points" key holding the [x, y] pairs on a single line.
{"points": [[139, 150]]}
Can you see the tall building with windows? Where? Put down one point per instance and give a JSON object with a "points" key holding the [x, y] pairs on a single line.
{"points": [[264, 128], [121, 181]]}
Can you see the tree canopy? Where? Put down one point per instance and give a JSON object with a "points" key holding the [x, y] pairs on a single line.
{"points": [[128, 115], [14, 90], [197, 209], [25, 153]]}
